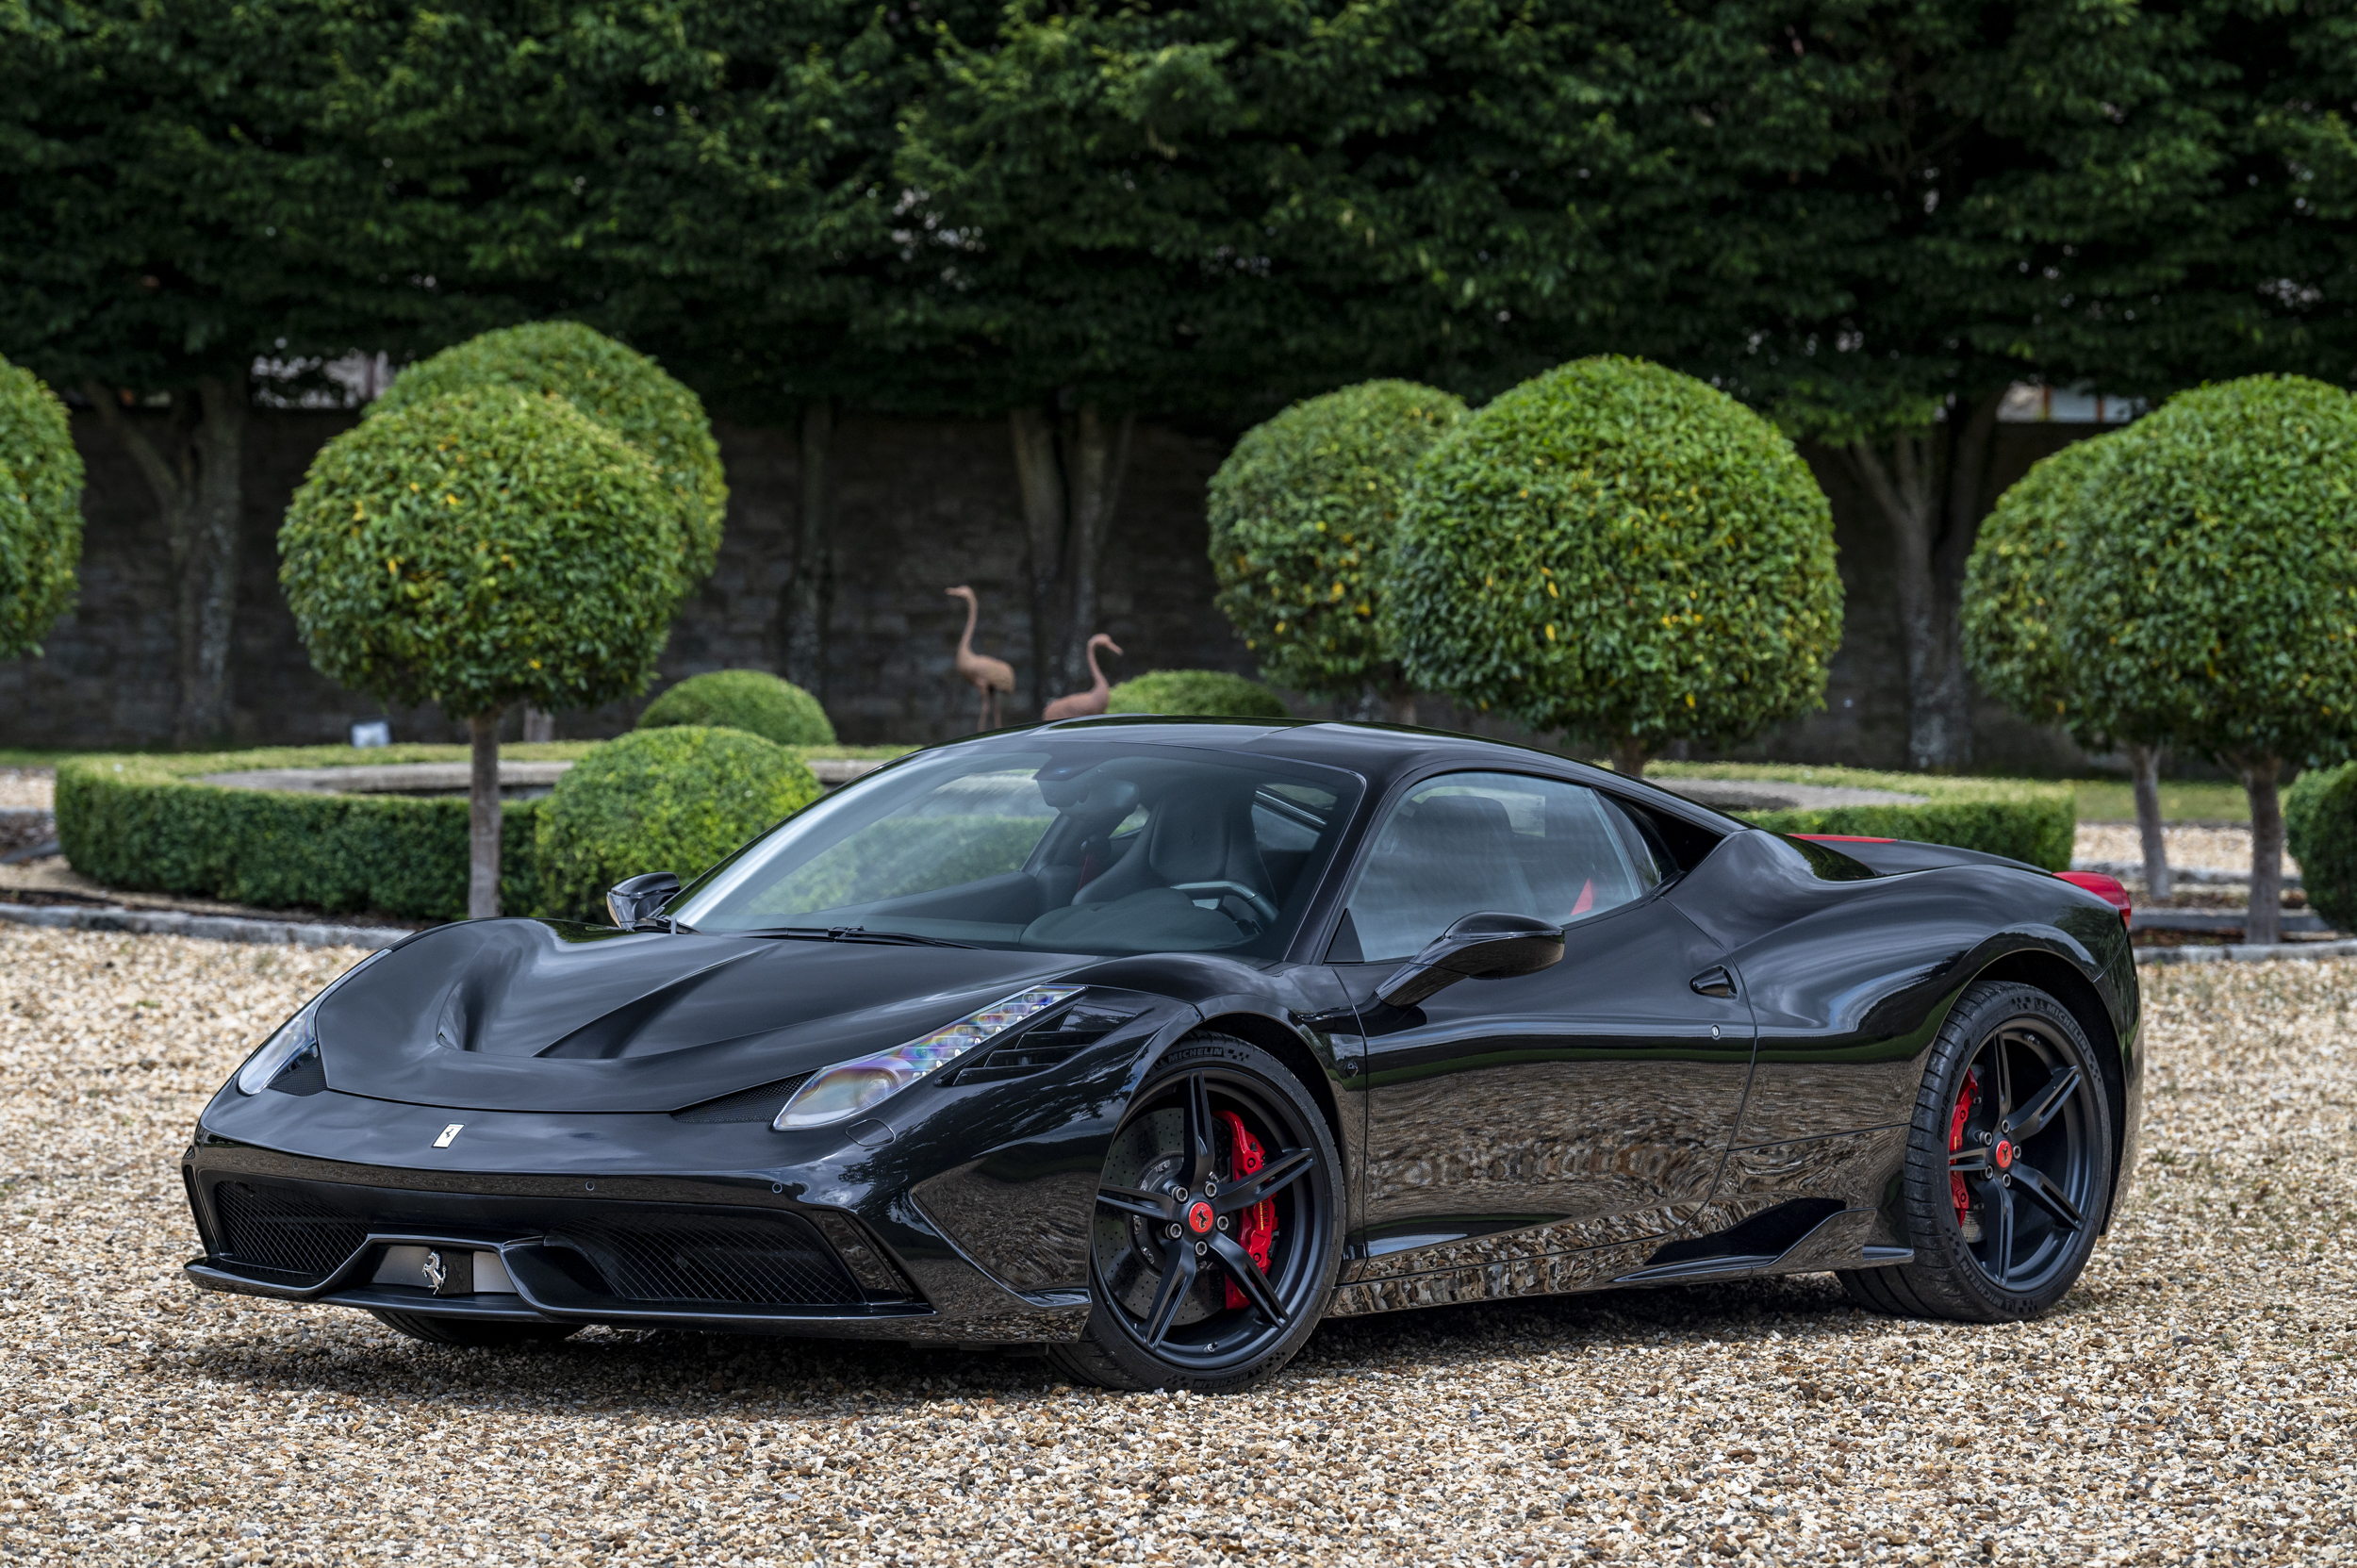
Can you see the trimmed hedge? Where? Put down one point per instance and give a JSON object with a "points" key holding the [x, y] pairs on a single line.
{"points": [[1197, 693], [676, 799], [2320, 831], [753, 700], [146, 822], [2019, 818]]}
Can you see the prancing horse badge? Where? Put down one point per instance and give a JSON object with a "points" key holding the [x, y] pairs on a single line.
{"points": [[447, 1133]]}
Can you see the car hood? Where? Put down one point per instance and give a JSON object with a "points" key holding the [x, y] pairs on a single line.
{"points": [[543, 1015]]}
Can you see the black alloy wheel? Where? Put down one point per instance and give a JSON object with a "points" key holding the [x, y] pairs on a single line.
{"points": [[2009, 1164], [1218, 1227], [484, 1333]]}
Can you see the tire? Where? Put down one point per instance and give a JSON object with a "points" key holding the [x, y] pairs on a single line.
{"points": [[1219, 1330], [2014, 1117], [485, 1332]]}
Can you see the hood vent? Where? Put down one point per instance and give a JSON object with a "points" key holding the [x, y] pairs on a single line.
{"points": [[760, 1103]]}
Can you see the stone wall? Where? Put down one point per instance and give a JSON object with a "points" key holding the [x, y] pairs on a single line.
{"points": [[920, 505]]}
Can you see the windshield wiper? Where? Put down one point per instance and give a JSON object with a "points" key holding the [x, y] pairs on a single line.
{"points": [[852, 933]]}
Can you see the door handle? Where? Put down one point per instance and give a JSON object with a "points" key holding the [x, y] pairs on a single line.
{"points": [[1716, 981]]}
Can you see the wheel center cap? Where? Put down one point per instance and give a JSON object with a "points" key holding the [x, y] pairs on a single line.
{"points": [[2003, 1154], [1199, 1217]]}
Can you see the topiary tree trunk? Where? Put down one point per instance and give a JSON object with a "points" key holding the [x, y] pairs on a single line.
{"points": [[2261, 775], [483, 817], [1628, 757], [2144, 762]]}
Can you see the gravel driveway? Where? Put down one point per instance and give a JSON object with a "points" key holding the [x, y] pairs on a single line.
{"points": [[2190, 1402]]}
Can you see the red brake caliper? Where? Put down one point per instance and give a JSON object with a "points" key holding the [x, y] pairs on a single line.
{"points": [[1257, 1231], [1964, 1096]]}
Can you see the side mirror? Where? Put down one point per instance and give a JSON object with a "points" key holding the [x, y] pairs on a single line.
{"points": [[635, 898], [1488, 946]]}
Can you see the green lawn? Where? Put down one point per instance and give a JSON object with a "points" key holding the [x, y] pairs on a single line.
{"points": [[2115, 801]]}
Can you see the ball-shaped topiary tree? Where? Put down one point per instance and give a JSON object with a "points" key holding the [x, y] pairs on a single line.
{"points": [[1301, 519], [2011, 635], [2213, 590], [675, 799], [1197, 693], [478, 551], [753, 700], [620, 388], [40, 511], [1620, 551], [2321, 830]]}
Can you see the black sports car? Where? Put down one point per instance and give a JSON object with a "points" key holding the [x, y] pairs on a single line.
{"points": [[1154, 1041]]}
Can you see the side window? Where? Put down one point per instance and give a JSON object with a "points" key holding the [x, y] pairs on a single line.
{"points": [[1465, 843]]}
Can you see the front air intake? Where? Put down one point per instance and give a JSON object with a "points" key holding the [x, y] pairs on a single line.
{"points": [[284, 1230], [757, 1260]]}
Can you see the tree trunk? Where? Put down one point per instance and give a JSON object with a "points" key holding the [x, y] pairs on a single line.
{"points": [[2259, 776], [1070, 472], [195, 477], [1040, 478], [1928, 487], [1096, 458], [539, 725], [483, 817], [1628, 757], [2145, 761], [809, 594]]}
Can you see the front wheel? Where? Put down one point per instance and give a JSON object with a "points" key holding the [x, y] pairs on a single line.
{"points": [[2009, 1164], [1218, 1227]]}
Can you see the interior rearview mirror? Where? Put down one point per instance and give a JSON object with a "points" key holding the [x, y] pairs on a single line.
{"points": [[635, 898], [1487, 946]]}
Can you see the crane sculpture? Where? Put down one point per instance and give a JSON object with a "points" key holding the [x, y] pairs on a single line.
{"points": [[986, 675], [1082, 705]]}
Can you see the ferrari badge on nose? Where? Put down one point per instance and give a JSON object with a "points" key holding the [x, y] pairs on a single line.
{"points": [[447, 1133]]}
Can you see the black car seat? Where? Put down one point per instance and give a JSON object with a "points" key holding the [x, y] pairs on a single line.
{"points": [[1190, 836]]}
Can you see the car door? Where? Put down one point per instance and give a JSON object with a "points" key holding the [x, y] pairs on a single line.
{"points": [[1579, 1107]]}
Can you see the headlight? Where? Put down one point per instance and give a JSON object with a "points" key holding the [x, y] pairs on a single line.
{"points": [[298, 1037], [848, 1088]]}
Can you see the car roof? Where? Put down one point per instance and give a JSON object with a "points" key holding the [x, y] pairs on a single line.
{"points": [[1379, 753]]}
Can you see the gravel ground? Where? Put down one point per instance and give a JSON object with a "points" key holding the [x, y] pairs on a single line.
{"points": [[28, 786], [2219, 848], [2189, 1402]]}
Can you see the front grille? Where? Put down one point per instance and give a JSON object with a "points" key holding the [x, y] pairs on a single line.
{"points": [[284, 1230], [761, 1260]]}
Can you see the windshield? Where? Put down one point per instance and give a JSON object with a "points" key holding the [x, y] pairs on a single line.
{"points": [[1108, 847]]}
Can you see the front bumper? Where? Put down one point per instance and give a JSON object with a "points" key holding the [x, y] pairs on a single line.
{"points": [[566, 1256], [956, 1215], [691, 1252]]}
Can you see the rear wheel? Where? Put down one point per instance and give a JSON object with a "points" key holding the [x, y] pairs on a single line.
{"points": [[1218, 1227], [489, 1332], [2009, 1164]]}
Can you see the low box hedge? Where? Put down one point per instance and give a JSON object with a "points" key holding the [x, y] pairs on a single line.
{"points": [[148, 823], [2019, 819]]}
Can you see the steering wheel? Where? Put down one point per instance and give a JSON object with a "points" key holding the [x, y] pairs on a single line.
{"points": [[1254, 900]]}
